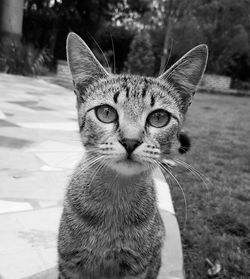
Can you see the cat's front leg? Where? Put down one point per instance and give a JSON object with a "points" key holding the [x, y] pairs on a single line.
{"points": [[68, 271], [70, 266], [143, 275], [154, 266]]}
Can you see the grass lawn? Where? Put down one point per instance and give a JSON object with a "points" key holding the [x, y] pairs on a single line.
{"points": [[218, 223]]}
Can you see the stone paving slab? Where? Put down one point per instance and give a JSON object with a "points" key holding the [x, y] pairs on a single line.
{"points": [[7, 206], [34, 185], [28, 242], [39, 146]]}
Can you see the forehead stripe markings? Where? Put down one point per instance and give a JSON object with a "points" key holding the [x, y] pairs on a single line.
{"points": [[127, 92], [144, 89], [125, 85], [116, 95], [152, 101]]}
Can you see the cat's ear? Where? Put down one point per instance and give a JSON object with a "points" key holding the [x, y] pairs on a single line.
{"points": [[83, 65], [187, 72]]}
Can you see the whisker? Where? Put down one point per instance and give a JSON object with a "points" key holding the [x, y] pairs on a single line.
{"points": [[193, 168], [113, 53], [100, 50], [194, 171], [101, 165], [89, 163], [169, 55]]}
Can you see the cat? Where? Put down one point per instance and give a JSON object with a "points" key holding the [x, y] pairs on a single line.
{"points": [[185, 143], [111, 227]]}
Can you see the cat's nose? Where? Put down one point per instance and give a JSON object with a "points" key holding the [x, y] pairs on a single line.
{"points": [[130, 144]]}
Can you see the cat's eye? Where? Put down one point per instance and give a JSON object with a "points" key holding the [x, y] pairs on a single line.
{"points": [[158, 118], [106, 114]]}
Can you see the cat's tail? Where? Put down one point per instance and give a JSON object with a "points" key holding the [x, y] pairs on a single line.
{"points": [[185, 143]]}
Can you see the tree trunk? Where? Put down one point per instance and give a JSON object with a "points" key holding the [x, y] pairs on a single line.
{"points": [[11, 19], [165, 46]]}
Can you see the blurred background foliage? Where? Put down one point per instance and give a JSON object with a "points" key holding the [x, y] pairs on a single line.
{"points": [[145, 36], [25, 59]]}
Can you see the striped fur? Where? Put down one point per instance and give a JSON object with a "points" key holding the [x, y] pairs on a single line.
{"points": [[111, 227]]}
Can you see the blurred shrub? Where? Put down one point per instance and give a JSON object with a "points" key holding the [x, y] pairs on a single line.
{"points": [[141, 59], [242, 85], [117, 52], [23, 59], [185, 35]]}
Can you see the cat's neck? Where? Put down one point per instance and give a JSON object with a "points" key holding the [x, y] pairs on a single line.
{"points": [[124, 199], [105, 180]]}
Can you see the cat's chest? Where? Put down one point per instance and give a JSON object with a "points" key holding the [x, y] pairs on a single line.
{"points": [[113, 205]]}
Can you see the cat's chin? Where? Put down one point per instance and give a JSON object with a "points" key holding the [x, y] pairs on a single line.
{"points": [[128, 167]]}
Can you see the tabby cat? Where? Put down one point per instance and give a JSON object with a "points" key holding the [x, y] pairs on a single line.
{"points": [[110, 226]]}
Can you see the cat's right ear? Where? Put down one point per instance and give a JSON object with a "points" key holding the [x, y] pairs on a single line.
{"points": [[186, 74], [83, 65]]}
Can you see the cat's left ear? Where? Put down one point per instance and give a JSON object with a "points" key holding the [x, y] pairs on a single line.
{"points": [[187, 72], [84, 66]]}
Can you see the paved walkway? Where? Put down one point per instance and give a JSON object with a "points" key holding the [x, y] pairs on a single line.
{"points": [[39, 146]]}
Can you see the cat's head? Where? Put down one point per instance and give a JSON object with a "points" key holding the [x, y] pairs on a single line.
{"points": [[130, 123]]}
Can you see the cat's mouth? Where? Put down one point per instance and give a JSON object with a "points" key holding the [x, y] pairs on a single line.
{"points": [[129, 161], [128, 166]]}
